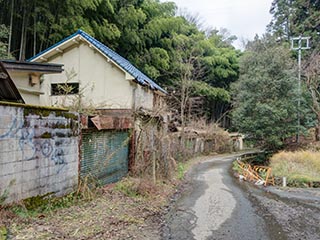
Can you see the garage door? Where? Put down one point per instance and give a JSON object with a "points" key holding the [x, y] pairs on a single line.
{"points": [[104, 155]]}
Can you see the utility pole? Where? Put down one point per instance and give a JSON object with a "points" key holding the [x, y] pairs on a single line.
{"points": [[298, 44]]}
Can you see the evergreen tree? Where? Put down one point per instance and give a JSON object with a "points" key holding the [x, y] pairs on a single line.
{"points": [[265, 97], [3, 42], [292, 18]]}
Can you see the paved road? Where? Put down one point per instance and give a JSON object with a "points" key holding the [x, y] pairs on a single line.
{"points": [[216, 206]]}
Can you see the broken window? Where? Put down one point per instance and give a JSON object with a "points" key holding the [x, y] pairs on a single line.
{"points": [[64, 88]]}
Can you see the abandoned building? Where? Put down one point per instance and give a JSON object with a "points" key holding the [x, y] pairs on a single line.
{"points": [[97, 78]]}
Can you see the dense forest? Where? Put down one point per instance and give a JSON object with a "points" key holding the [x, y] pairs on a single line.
{"points": [[147, 32], [174, 49]]}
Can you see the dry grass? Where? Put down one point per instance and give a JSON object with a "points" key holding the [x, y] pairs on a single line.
{"points": [[299, 167], [143, 188], [161, 153], [129, 209], [219, 137]]}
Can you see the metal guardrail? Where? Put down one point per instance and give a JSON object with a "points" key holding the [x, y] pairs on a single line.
{"points": [[250, 155]]}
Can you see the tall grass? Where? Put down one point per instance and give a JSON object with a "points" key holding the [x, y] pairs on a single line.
{"points": [[301, 167]]}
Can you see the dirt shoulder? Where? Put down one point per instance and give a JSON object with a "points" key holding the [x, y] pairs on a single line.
{"points": [[117, 211], [295, 210], [110, 215], [309, 196]]}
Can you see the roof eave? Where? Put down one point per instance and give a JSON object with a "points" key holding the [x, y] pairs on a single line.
{"points": [[161, 93], [32, 67]]}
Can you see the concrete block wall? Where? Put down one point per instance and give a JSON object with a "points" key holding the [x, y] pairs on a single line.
{"points": [[38, 151]]}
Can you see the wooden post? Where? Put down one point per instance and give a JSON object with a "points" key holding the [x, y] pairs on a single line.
{"points": [[153, 149], [154, 166]]}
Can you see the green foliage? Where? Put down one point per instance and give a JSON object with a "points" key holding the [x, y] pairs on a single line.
{"points": [[221, 61], [3, 233], [236, 167], [265, 97], [212, 93], [181, 170], [4, 33], [3, 196], [295, 18], [47, 203], [127, 187], [32, 207], [148, 33]]}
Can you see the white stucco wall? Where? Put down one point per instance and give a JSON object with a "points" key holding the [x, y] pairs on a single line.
{"points": [[143, 98], [104, 84], [30, 94]]}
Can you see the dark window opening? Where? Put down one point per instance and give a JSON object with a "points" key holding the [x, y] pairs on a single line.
{"points": [[64, 88]]}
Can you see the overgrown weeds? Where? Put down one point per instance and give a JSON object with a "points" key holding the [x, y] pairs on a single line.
{"points": [[301, 168], [181, 170], [39, 206], [159, 154], [137, 187], [236, 167]]}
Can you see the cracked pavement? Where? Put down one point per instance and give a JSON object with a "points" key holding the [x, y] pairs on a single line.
{"points": [[216, 205]]}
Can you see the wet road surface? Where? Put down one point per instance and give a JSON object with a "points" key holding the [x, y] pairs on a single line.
{"points": [[216, 205]]}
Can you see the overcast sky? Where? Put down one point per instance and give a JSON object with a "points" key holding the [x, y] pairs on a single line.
{"points": [[243, 18]]}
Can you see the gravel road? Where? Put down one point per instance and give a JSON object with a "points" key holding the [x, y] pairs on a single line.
{"points": [[215, 205]]}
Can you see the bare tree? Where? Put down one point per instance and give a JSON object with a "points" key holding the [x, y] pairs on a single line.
{"points": [[193, 18], [190, 70], [312, 73]]}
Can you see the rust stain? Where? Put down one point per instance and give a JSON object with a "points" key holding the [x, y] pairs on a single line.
{"points": [[112, 122]]}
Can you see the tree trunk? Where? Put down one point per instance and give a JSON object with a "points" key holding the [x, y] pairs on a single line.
{"points": [[11, 24], [34, 30], [23, 30], [316, 110], [182, 116], [182, 136], [318, 128]]}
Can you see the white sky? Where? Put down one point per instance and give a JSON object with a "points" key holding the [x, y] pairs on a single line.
{"points": [[243, 18]]}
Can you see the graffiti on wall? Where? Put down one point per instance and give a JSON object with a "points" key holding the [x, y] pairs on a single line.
{"points": [[37, 138]]}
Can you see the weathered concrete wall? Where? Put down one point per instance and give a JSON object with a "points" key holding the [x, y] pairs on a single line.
{"points": [[38, 151], [30, 94], [143, 98]]}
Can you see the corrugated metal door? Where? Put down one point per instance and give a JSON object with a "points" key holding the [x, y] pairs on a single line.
{"points": [[104, 155]]}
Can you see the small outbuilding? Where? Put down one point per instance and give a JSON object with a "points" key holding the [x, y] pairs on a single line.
{"points": [[27, 77]]}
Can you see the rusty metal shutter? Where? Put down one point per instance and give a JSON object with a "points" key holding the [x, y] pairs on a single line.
{"points": [[104, 155]]}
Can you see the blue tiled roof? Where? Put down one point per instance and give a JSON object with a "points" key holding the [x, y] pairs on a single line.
{"points": [[140, 77]]}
